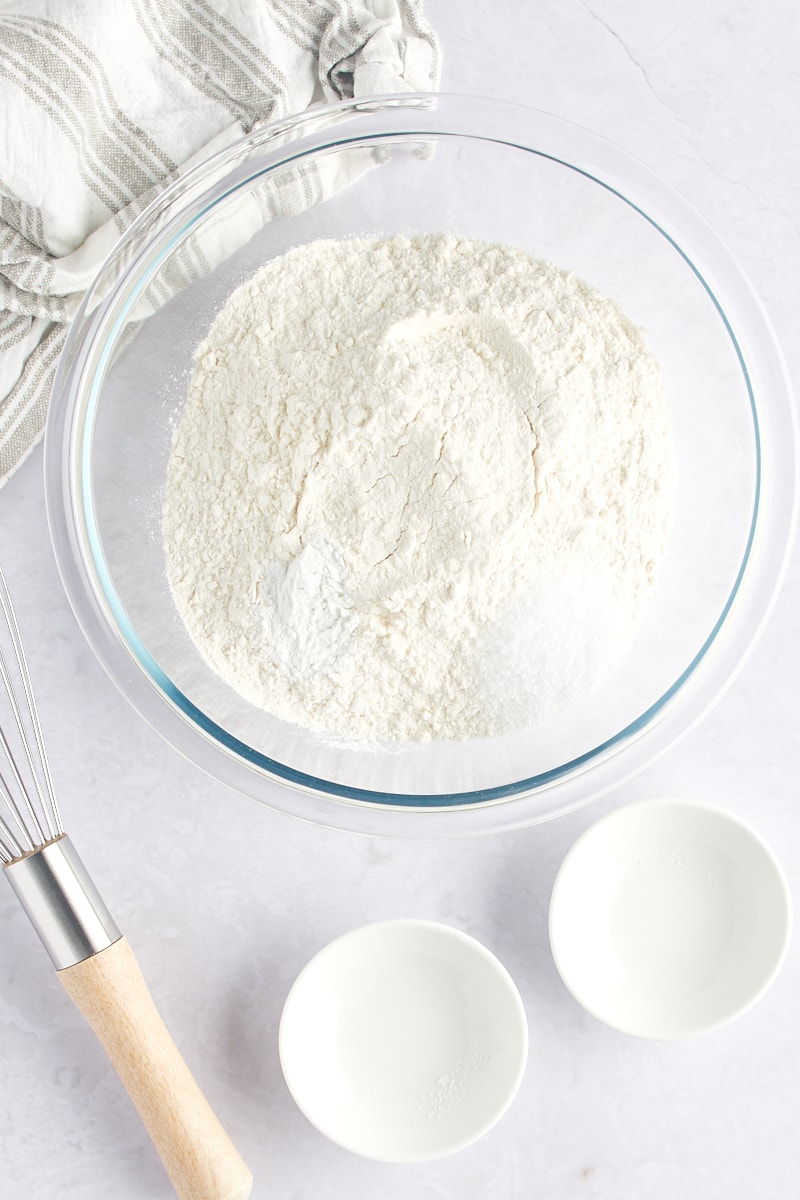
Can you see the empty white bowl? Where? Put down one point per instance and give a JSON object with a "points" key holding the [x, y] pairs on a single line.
{"points": [[669, 918], [403, 1041]]}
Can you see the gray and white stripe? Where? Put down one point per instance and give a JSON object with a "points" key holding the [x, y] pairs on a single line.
{"points": [[196, 42], [74, 92]]}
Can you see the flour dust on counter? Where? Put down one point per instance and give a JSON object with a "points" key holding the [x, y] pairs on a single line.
{"points": [[419, 488]]}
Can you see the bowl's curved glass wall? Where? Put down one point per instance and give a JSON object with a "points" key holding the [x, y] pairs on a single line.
{"points": [[494, 173]]}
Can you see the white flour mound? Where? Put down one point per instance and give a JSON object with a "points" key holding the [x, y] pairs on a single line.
{"points": [[429, 508]]}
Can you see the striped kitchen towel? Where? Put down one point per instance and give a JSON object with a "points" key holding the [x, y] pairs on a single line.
{"points": [[103, 104]]}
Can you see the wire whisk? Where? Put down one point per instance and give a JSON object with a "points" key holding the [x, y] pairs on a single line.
{"points": [[46, 823], [92, 959]]}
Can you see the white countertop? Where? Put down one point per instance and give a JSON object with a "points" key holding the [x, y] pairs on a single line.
{"points": [[224, 901]]}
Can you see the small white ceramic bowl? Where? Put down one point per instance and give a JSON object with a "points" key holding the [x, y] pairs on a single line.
{"points": [[669, 918], [403, 1041]]}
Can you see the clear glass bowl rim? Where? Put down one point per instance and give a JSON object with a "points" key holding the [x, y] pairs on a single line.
{"points": [[115, 642]]}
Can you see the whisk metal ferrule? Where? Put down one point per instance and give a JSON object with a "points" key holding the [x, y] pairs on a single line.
{"points": [[63, 904]]}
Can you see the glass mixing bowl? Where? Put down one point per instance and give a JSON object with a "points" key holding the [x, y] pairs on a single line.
{"points": [[416, 164]]}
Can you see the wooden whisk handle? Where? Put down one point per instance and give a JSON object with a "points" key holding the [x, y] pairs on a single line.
{"points": [[199, 1157]]}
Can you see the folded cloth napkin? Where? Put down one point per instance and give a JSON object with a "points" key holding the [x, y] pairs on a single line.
{"points": [[104, 104]]}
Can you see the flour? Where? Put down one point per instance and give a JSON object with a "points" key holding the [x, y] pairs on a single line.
{"points": [[431, 508]]}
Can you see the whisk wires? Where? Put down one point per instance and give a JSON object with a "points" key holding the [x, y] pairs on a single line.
{"points": [[29, 816]]}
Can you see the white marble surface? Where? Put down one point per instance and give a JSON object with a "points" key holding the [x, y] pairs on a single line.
{"points": [[224, 901]]}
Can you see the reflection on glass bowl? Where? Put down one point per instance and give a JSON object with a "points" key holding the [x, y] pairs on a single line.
{"points": [[420, 164]]}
